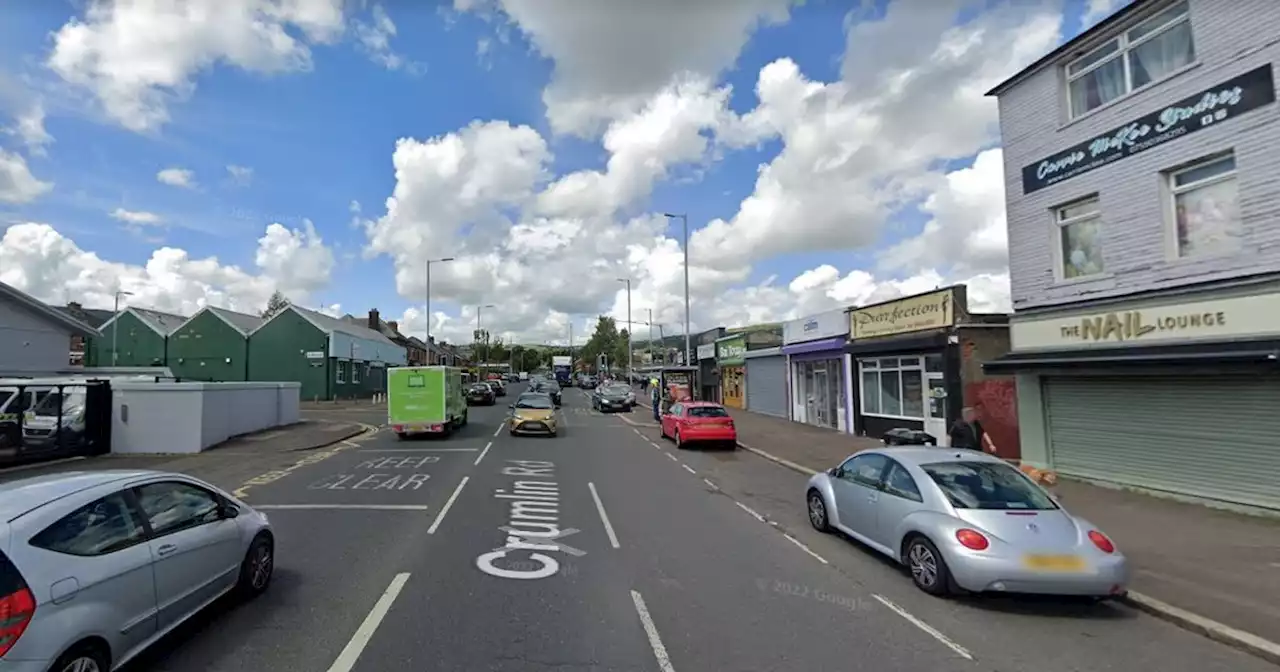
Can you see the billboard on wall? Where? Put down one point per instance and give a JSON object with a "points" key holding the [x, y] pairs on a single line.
{"points": [[934, 310], [707, 351], [830, 324]]}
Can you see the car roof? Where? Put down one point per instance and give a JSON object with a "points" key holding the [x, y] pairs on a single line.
{"points": [[920, 455], [20, 496]]}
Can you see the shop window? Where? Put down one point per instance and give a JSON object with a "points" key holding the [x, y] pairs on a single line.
{"points": [[895, 390], [342, 372], [1147, 53], [933, 363], [1206, 208], [1079, 239]]}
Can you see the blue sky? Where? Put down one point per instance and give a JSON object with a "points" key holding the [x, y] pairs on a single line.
{"points": [[319, 138]]}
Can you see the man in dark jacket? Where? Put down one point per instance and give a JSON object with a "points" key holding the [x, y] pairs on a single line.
{"points": [[968, 433]]}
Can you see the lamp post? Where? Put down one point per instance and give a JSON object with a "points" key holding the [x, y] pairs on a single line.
{"points": [[479, 330], [630, 357], [429, 262], [650, 335], [115, 325], [684, 219]]}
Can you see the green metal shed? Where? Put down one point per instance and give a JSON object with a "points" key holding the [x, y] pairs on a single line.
{"points": [[141, 338], [213, 346]]}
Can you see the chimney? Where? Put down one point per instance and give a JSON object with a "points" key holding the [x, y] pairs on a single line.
{"points": [[395, 326], [74, 306], [374, 319]]}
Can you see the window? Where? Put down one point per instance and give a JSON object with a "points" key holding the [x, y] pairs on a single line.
{"points": [[1206, 208], [98, 528], [355, 372], [988, 485], [1079, 233], [864, 469], [342, 372], [1146, 53], [899, 482], [707, 412], [170, 507], [893, 387]]}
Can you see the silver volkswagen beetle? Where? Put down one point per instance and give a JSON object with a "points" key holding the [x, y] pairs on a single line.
{"points": [[964, 521]]}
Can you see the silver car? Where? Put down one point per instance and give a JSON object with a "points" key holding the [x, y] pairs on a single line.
{"points": [[95, 566], [964, 521]]}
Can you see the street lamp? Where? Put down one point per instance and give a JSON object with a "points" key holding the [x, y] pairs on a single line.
{"points": [[115, 325], [630, 358], [684, 219], [478, 329], [429, 262], [650, 335]]}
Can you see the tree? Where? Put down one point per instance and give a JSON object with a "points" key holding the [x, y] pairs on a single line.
{"points": [[605, 340], [275, 304]]}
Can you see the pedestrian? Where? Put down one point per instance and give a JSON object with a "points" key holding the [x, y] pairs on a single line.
{"points": [[656, 400], [969, 434]]}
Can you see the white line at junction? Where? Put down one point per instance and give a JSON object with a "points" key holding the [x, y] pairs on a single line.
{"points": [[435, 525], [484, 452]]}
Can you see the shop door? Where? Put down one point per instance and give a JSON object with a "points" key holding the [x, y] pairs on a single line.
{"points": [[935, 403], [767, 385], [731, 386], [817, 401], [1205, 436]]}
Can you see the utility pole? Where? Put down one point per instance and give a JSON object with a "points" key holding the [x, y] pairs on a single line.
{"points": [[571, 342], [480, 334], [630, 356], [429, 262], [650, 336], [115, 326], [688, 352]]}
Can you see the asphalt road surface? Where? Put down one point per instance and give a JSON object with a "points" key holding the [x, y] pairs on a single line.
{"points": [[607, 549]]}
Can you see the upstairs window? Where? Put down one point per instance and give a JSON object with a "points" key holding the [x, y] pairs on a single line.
{"points": [[1079, 229], [1146, 53], [1206, 208]]}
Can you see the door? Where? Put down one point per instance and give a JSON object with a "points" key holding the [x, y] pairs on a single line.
{"points": [[856, 490], [817, 397], [935, 405], [899, 498], [197, 550], [767, 385]]}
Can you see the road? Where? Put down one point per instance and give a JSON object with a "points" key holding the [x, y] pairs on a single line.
{"points": [[434, 555]]}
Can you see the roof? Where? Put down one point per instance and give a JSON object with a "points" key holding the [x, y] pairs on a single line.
{"points": [[46, 311], [22, 495], [331, 324], [1076, 43], [918, 455], [162, 323], [243, 322], [94, 317]]}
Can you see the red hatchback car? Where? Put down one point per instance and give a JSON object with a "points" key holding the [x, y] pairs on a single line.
{"points": [[699, 422]]}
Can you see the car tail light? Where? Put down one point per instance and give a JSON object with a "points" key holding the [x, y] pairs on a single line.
{"points": [[16, 608], [972, 539], [1101, 541]]}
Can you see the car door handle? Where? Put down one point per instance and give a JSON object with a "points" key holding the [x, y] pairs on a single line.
{"points": [[166, 549]]}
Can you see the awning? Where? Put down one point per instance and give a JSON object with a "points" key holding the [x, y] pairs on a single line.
{"points": [[1241, 352]]}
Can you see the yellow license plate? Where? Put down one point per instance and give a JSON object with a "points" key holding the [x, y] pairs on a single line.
{"points": [[1054, 563]]}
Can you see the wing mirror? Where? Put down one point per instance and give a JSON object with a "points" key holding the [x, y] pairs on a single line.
{"points": [[835, 472]]}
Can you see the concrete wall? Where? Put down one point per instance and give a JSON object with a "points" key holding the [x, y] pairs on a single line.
{"points": [[1230, 39], [30, 344], [190, 417]]}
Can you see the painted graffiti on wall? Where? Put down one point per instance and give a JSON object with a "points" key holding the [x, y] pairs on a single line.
{"points": [[998, 399]]}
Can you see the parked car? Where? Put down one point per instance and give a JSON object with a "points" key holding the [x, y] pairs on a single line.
{"points": [[613, 398], [965, 521], [533, 413], [701, 422], [99, 565], [481, 394]]}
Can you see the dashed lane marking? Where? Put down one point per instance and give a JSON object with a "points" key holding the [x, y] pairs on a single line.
{"points": [[346, 660], [344, 507], [673, 457], [651, 631], [484, 452], [604, 517], [929, 629], [435, 524], [804, 548], [499, 429], [711, 485], [688, 468], [750, 511]]}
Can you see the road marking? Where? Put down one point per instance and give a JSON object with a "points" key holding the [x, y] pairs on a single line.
{"points": [[484, 452], [440, 516], [688, 468], [712, 485], [651, 630], [346, 660], [604, 517], [673, 457], [242, 492], [349, 507], [751, 511], [418, 450], [638, 432], [929, 629], [499, 429], [804, 548]]}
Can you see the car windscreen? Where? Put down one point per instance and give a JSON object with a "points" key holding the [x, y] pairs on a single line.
{"points": [[707, 412], [538, 402], [617, 389], [987, 485], [70, 399]]}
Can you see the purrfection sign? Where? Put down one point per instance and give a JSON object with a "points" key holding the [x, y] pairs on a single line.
{"points": [[1230, 99]]}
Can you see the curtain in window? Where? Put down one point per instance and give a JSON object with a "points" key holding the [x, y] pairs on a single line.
{"points": [[1160, 56], [1104, 84]]}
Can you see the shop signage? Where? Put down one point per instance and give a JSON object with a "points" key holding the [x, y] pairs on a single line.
{"points": [[1144, 325], [731, 351], [707, 351], [1227, 100], [917, 313], [830, 324]]}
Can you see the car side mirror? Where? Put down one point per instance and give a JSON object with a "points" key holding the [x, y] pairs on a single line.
{"points": [[835, 472], [230, 511]]}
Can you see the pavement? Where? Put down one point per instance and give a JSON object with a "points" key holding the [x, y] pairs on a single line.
{"points": [[1212, 571], [604, 548]]}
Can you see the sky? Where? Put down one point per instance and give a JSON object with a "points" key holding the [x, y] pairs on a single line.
{"points": [[824, 154]]}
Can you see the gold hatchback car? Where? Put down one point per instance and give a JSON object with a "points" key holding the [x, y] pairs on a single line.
{"points": [[533, 414]]}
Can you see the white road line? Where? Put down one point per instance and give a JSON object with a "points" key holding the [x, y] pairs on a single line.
{"points": [[440, 516], [484, 452], [638, 432], [659, 651], [417, 450], [499, 429], [346, 507], [604, 517], [673, 457], [688, 468], [751, 511], [709, 483], [806, 549], [929, 629], [346, 660]]}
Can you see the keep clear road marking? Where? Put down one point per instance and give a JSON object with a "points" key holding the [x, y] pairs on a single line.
{"points": [[435, 525], [651, 630], [604, 517], [960, 650], [349, 507], [351, 652], [484, 452]]}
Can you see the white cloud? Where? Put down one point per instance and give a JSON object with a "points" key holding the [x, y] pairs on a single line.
{"points": [[374, 37], [1097, 10], [37, 259], [17, 184], [29, 128], [136, 216], [138, 56], [240, 175], [177, 177]]}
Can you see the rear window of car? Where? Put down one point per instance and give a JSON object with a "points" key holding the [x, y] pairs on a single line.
{"points": [[98, 528], [707, 412], [987, 485]]}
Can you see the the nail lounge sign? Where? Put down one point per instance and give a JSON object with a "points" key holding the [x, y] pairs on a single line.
{"points": [[1227, 100]]}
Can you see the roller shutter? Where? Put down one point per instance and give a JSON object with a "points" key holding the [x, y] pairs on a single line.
{"points": [[1216, 437], [767, 385]]}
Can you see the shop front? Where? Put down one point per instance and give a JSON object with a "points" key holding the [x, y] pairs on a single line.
{"points": [[731, 352], [820, 393], [766, 377], [708, 376], [1147, 393]]}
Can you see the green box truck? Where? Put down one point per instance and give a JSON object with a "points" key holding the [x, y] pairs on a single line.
{"points": [[425, 400]]}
